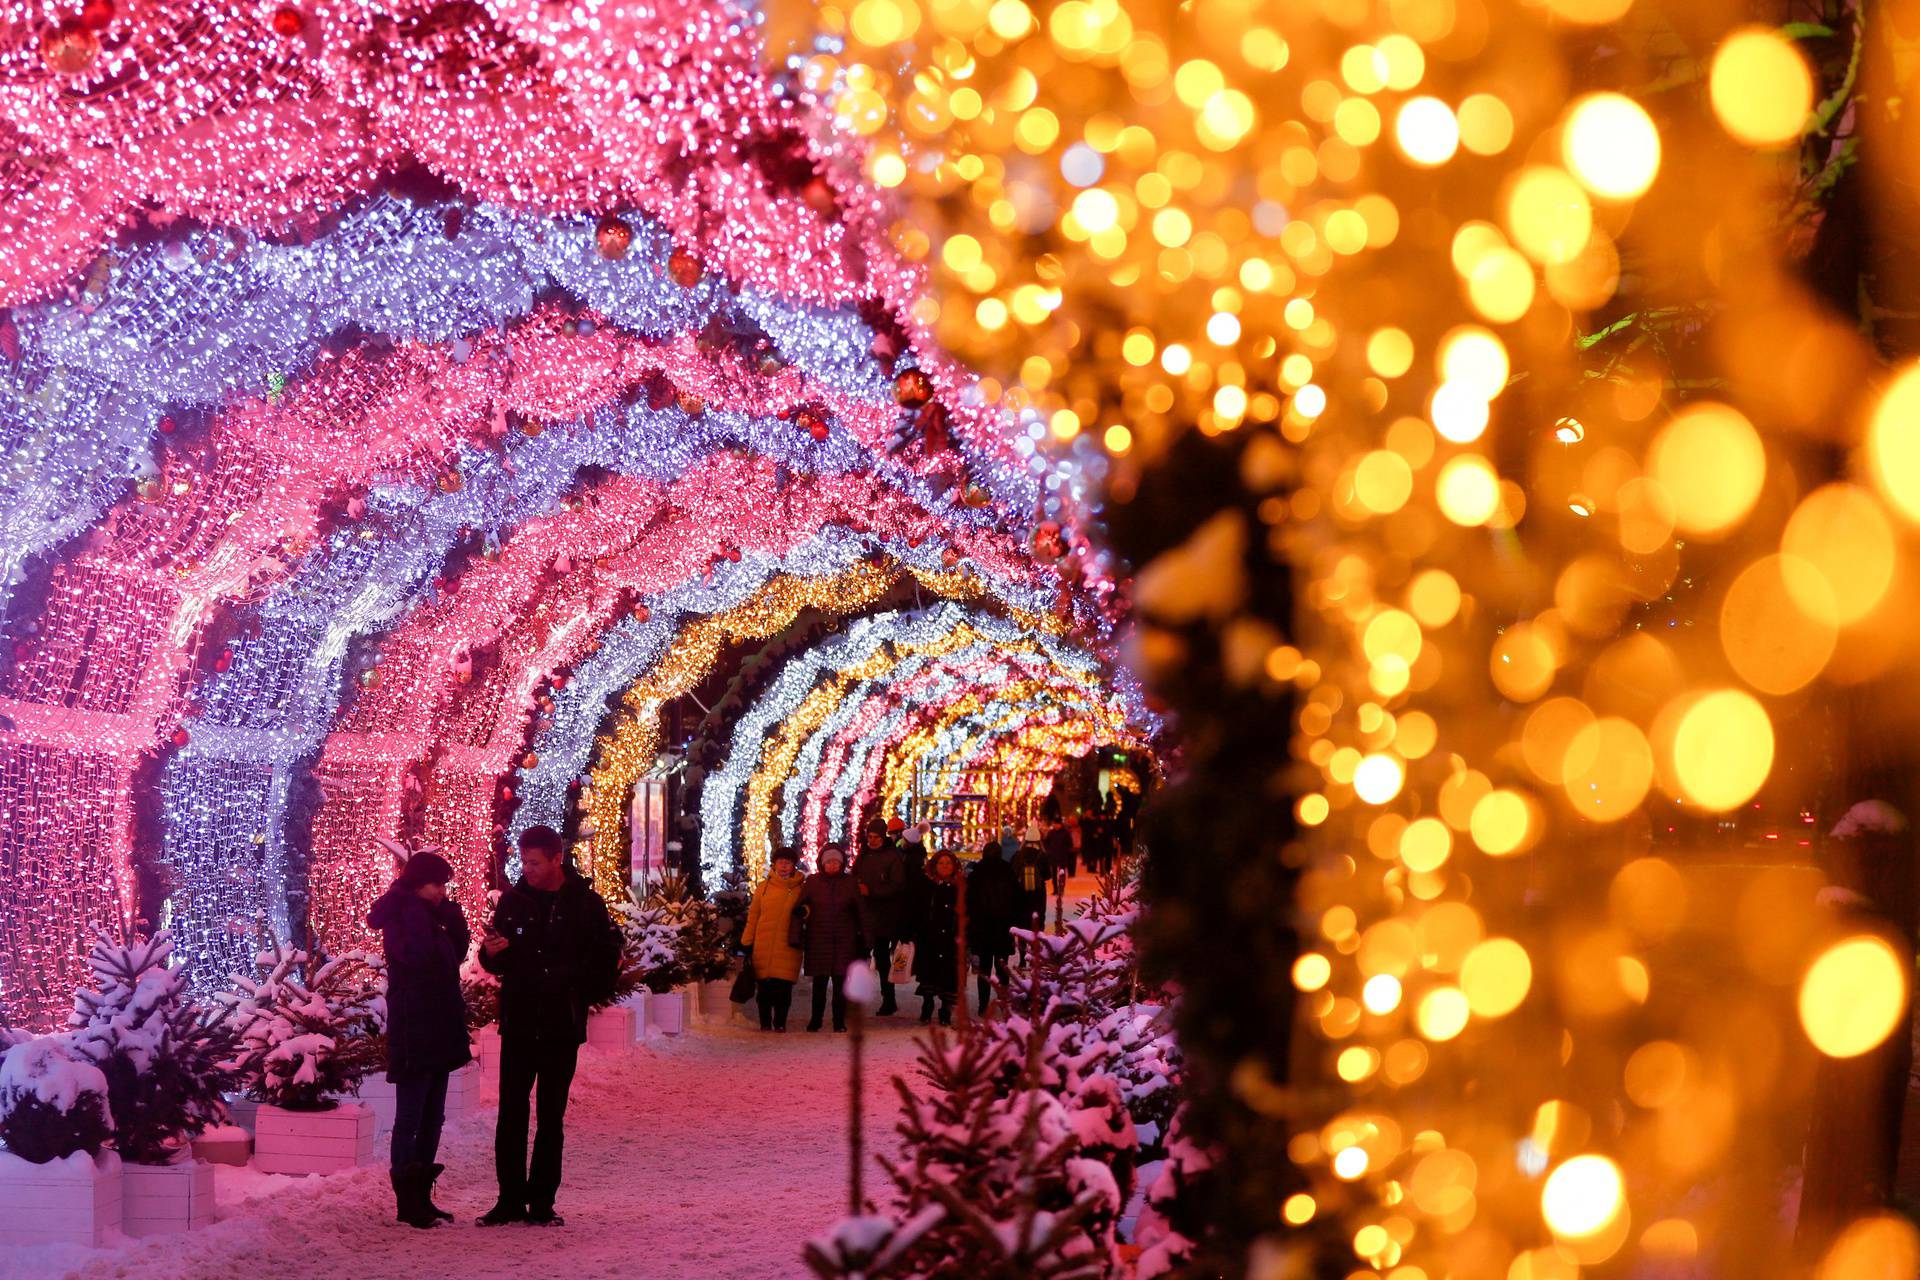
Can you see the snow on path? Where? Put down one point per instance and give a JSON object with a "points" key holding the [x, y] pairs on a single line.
{"points": [[713, 1155]]}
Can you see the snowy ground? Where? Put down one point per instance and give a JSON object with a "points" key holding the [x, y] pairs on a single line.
{"points": [[709, 1156], [713, 1155]]}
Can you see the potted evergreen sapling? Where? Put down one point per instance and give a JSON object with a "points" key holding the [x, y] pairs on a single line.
{"points": [[58, 1185], [309, 1031], [650, 957], [163, 1058]]}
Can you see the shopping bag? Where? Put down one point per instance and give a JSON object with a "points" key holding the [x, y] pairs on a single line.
{"points": [[746, 984], [902, 969]]}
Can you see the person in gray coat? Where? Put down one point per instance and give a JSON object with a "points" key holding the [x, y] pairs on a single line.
{"points": [[882, 875], [829, 927]]}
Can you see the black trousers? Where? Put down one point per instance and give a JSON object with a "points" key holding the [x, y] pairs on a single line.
{"points": [[419, 1111], [775, 996], [820, 981], [540, 1070], [984, 972], [883, 969]]}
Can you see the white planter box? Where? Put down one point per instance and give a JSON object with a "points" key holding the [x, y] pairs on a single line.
{"points": [[377, 1095], [70, 1201], [486, 1048], [242, 1110], [611, 1028], [667, 1012], [463, 1090], [716, 1000], [224, 1144], [313, 1141], [158, 1199], [639, 1003]]}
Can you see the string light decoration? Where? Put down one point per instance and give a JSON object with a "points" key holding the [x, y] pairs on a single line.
{"points": [[461, 680], [630, 746], [1529, 319], [268, 407], [819, 691]]}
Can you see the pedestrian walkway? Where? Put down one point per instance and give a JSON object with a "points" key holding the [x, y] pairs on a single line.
{"points": [[712, 1155]]}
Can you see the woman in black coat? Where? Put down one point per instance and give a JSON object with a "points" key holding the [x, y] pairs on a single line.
{"points": [[993, 909], [829, 927], [936, 947], [424, 933]]}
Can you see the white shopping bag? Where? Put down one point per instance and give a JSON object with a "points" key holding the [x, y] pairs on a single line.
{"points": [[902, 970]]}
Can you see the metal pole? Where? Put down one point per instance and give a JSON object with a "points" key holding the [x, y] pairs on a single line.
{"points": [[856, 1139]]}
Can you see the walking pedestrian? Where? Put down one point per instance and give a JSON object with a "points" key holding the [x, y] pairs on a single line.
{"points": [[993, 909], [775, 960], [829, 928], [557, 953], [1058, 843], [1032, 876], [882, 875], [424, 935], [936, 948]]}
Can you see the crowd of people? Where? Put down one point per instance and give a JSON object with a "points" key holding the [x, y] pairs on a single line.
{"points": [[556, 952], [916, 915]]}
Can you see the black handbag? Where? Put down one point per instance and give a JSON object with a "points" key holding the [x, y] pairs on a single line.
{"points": [[746, 984]]}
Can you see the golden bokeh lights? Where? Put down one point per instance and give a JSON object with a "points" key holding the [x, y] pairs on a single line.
{"points": [[1853, 996], [1583, 1196], [1761, 88], [1599, 507]]}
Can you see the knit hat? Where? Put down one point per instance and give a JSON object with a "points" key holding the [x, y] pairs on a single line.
{"points": [[895, 826], [832, 851], [784, 853], [914, 836], [876, 826], [1032, 835], [423, 868]]}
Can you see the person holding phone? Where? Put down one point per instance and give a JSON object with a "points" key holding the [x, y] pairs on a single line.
{"points": [[556, 952]]}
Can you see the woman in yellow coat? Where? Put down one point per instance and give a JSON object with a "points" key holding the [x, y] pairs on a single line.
{"points": [[776, 962]]}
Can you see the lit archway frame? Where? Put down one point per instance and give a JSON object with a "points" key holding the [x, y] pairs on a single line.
{"points": [[890, 767], [831, 681], [630, 748], [962, 661], [452, 707], [845, 781]]}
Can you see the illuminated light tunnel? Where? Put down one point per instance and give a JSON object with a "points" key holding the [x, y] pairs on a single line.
{"points": [[358, 456]]}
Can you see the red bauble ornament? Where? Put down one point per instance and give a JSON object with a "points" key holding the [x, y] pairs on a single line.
{"points": [[641, 613], [224, 661], [1048, 543], [530, 761], [612, 237], [912, 388], [684, 268], [950, 557], [813, 424], [691, 405], [450, 482], [820, 197], [97, 15], [559, 682], [181, 738], [69, 48], [288, 21]]}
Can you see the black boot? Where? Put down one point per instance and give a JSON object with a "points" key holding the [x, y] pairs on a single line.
{"points": [[887, 1007], [503, 1212], [926, 1010], [946, 1013], [410, 1198], [431, 1176]]}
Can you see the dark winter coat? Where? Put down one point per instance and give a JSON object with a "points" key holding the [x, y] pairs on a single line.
{"points": [[829, 923], [936, 947], [426, 1014], [1059, 846], [993, 907], [913, 901], [562, 958], [882, 876], [1031, 874]]}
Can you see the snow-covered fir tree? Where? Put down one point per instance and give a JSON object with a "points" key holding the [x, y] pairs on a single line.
{"points": [[308, 1029], [162, 1054]]}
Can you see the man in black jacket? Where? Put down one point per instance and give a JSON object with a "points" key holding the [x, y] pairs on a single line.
{"points": [[882, 875], [556, 952]]}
